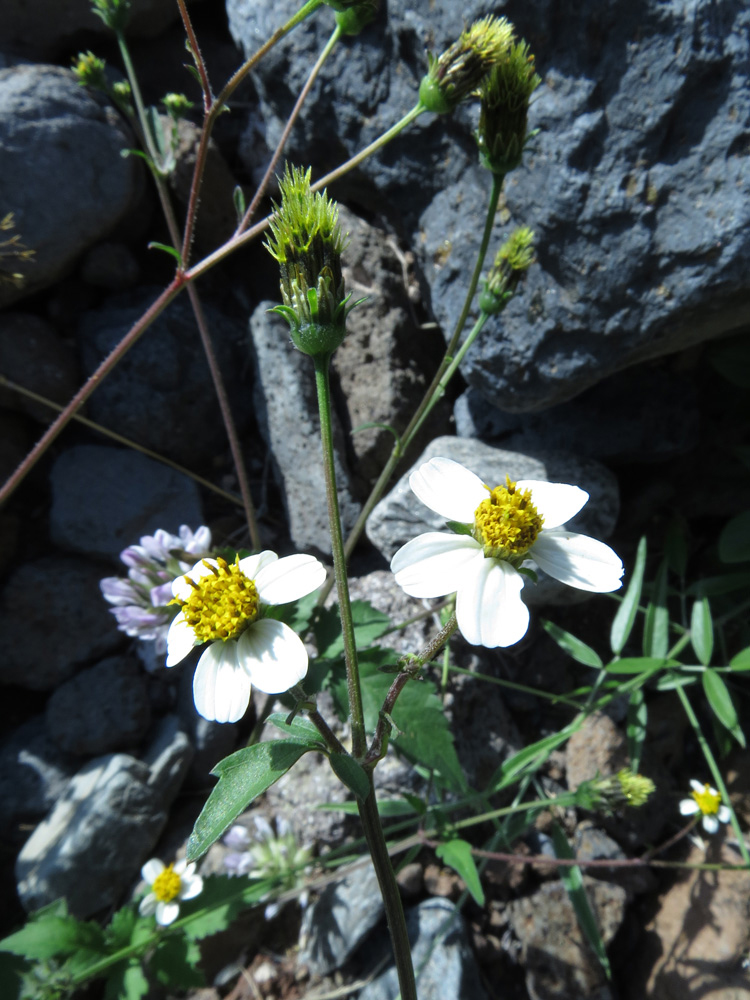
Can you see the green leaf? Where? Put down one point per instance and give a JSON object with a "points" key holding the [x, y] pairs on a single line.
{"points": [[351, 773], [702, 631], [456, 854], [243, 776], [47, 935], [573, 647], [118, 933], [238, 195], [174, 963], [720, 700], [734, 540], [217, 906], [153, 245], [741, 661], [126, 981], [300, 729], [624, 620], [714, 586], [572, 878], [459, 528], [637, 665], [656, 624], [374, 425], [672, 680], [529, 758], [388, 808], [369, 625], [637, 719]]}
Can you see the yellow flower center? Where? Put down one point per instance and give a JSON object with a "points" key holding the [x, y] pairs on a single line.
{"points": [[222, 604], [708, 800], [167, 885], [507, 523]]}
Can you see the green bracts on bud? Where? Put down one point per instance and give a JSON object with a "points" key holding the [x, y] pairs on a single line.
{"points": [[90, 71], [460, 70], [114, 13], [615, 792], [505, 95], [352, 18], [514, 257], [306, 241]]}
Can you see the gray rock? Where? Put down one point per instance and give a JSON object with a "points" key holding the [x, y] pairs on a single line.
{"points": [[642, 414], [45, 25], [287, 412], [33, 355], [92, 843], [111, 266], [63, 176], [485, 731], [54, 621], [593, 844], [339, 921], [104, 499], [211, 741], [557, 960], [444, 964], [168, 756], [33, 776], [400, 516], [161, 394], [102, 709]]}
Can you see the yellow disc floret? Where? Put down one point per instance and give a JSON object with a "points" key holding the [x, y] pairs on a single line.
{"points": [[507, 523], [223, 602], [708, 800], [167, 885]]}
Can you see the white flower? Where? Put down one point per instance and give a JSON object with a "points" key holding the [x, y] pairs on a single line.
{"points": [[169, 883], [502, 528], [706, 801], [223, 605]]}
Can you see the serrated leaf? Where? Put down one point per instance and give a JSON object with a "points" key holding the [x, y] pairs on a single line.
{"points": [[126, 981], [624, 620], [300, 729], [243, 776], [119, 931], [49, 936], [572, 878], [175, 961], [702, 631], [656, 622], [456, 854], [637, 665], [720, 700], [741, 661], [222, 898], [351, 774], [369, 625], [637, 720], [574, 647], [734, 539], [529, 758]]}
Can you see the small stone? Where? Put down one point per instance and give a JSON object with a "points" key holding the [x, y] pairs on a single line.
{"points": [[410, 880], [597, 748]]}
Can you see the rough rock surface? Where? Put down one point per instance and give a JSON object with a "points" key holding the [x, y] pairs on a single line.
{"points": [[63, 177], [33, 355], [400, 516]]}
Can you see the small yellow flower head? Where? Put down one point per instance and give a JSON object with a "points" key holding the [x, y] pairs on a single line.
{"points": [[177, 105], [12, 249], [616, 791], [505, 95], [514, 257], [307, 242], [507, 523], [353, 16], [89, 71], [460, 70], [114, 13]]}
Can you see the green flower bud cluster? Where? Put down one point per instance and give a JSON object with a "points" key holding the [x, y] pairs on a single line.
{"points": [[353, 17], [114, 13], [615, 791], [460, 70], [514, 257], [307, 243], [505, 95], [176, 105], [90, 71]]}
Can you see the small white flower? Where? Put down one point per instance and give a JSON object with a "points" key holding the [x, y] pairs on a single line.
{"points": [[169, 884], [223, 605], [706, 801], [503, 528]]}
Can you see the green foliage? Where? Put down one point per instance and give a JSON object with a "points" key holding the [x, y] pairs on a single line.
{"points": [[734, 540], [575, 648], [351, 774], [624, 620], [369, 625], [456, 854]]}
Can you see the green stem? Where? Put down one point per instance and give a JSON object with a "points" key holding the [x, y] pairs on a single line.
{"points": [[394, 910], [714, 769], [322, 384]]}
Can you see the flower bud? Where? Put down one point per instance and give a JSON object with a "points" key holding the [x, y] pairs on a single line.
{"points": [[352, 18], [122, 95], [514, 257], [89, 71], [504, 108], [176, 105], [454, 75], [114, 13], [307, 242], [615, 792]]}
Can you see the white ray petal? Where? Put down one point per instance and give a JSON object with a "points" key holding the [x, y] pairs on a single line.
{"points": [[449, 489], [252, 565], [688, 807], [273, 655], [724, 815], [578, 560], [433, 564], [221, 689], [190, 886], [556, 502], [180, 640], [289, 578], [698, 786], [489, 608], [151, 870], [710, 824], [167, 913], [148, 904]]}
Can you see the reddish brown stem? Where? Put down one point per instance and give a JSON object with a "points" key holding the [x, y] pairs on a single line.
{"points": [[197, 55]]}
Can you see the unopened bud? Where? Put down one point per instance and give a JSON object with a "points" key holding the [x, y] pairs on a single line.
{"points": [[90, 71], [514, 257], [114, 13], [504, 108], [352, 18]]}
